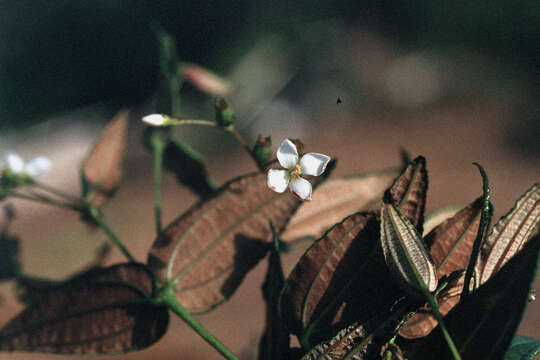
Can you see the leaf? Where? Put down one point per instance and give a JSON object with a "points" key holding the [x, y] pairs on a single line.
{"points": [[275, 340], [341, 279], [102, 170], [405, 253], [523, 348], [450, 246], [10, 255], [94, 313], [188, 167], [209, 249], [511, 232], [438, 216], [338, 198], [484, 323], [408, 192]]}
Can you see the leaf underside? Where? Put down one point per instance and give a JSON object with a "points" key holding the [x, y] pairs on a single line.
{"points": [[95, 313], [483, 325], [208, 250]]}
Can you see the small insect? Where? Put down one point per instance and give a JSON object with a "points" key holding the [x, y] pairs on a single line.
{"points": [[338, 101]]}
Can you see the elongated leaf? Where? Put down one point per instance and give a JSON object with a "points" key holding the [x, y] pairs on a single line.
{"points": [[102, 170], [511, 232], [450, 246], [405, 253], [188, 167], [408, 192], [523, 348], [338, 198], [208, 250], [94, 313], [439, 216], [340, 279], [483, 325]]}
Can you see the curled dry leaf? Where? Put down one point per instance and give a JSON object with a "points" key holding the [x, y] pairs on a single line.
{"points": [[511, 232], [405, 253], [450, 246], [95, 313], [338, 198], [208, 250], [340, 279], [408, 192], [483, 325], [102, 170]]}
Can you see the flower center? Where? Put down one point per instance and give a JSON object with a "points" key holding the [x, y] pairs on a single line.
{"points": [[295, 172]]}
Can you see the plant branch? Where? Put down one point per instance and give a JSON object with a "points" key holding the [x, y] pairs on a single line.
{"points": [[158, 148]]}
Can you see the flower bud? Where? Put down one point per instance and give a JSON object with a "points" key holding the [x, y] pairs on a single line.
{"points": [[156, 120], [262, 151], [224, 113]]}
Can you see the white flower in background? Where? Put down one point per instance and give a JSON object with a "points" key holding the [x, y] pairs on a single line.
{"points": [[310, 164], [36, 167], [155, 119]]}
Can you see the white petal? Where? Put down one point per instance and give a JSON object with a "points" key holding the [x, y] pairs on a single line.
{"points": [[277, 180], [314, 163], [14, 163], [154, 119], [37, 166], [287, 154], [301, 188]]}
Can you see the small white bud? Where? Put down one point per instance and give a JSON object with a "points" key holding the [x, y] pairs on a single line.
{"points": [[14, 163], [37, 167], [156, 119]]}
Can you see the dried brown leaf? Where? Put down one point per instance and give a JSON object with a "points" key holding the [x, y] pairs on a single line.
{"points": [[338, 198], [94, 313], [102, 170], [408, 192], [208, 250], [511, 232]]}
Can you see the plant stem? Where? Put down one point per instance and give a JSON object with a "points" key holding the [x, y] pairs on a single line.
{"points": [[56, 191], [158, 148], [94, 213], [45, 200], [168, 298]]}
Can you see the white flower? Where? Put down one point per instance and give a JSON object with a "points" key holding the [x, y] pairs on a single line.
{"points": [[155, 119], [310, 164], [36, 167]]}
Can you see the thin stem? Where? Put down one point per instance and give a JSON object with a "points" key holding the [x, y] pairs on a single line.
{"points": [[94, 213], [158, 148], [168, 298], [56, 192], [45, 200], [242, 142]]}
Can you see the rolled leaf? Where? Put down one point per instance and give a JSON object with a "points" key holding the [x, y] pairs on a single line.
{"points": [[95, 313], [208, 250], [511, 232], [405, 253], [102, 170], [338, 198]]}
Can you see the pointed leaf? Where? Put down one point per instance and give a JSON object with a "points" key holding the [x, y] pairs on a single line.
{"points": [[408, 192], [102, 170], [405, 253], [94, 313], [483, 325], [340, 279], [208, 250], [450, 246], [188, 167], [439, 216], [523, 348], [511, 232], [338, 198]]}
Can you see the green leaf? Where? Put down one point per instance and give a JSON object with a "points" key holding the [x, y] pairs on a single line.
{"points": [[523, 348], [208, 250], [105, 311], [484, 323], [188, 167]]}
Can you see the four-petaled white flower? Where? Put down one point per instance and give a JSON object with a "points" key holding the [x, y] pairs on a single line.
{"points": [[36, 167], [310, 164]]}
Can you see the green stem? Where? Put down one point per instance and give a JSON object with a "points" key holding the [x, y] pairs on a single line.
{"points": [[94, 213], [46, 200], [168, 299], [56, 192], [158, 148]]}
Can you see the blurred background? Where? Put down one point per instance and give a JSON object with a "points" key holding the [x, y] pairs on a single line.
{"points": [[454, 81]]}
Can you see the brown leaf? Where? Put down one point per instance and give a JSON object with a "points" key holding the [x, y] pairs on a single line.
{"points": [[338, 198], [408, 192], [450, 248], [340, 279], [208, 250], [94, 313], [438, 216], [102, 170], [511, 232]]}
